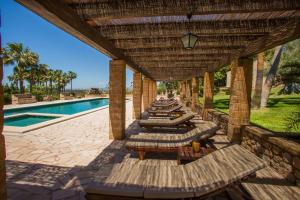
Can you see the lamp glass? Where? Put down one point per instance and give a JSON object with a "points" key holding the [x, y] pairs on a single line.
{"points": [[189, 41]]}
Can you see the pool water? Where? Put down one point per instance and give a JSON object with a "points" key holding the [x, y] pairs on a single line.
{"points": [[26, 120], [67, 108]]}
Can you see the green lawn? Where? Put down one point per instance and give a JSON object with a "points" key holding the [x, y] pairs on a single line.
{"points": [[273, 117]]}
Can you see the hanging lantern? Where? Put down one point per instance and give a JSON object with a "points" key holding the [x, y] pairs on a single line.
{"points": [[189, 40]]}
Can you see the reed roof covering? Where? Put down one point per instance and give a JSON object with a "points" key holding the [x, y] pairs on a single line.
{"points": [[147, 33]]}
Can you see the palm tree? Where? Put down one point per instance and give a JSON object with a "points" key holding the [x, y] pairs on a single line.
{"points": [[42, 75], [65, 80], [14, 79], [51, 75], [58, 79], [32, 68], [16, 54], [72, 76]]}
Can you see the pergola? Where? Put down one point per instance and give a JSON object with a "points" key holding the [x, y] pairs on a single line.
{"points": [[146, 36]]}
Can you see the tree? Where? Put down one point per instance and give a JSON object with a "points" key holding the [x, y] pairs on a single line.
{"points": [[256, 102], [65, 80], [170, 87], [289, 75], [161, 89], [220, 77], [16, 54], [31, 69], [51, 76], [72, 76], [270, 76], [58, 79]]}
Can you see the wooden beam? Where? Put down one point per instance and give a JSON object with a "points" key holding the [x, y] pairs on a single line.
{"points": [[280, 35], [179, 51], [65, 18], [203, 41], [177, 29], [138, 8], [178, 57]]}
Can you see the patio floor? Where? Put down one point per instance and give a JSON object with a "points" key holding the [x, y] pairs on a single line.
{"points": [[58, 161]]}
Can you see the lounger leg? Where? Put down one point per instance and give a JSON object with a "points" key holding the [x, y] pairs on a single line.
{"points": [[141, 155]]}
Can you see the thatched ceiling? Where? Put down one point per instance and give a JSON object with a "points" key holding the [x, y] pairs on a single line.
{"points": [[146, 33]]}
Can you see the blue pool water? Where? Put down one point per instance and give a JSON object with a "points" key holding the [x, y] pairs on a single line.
{"points": [[26, 120], [67, 108]]}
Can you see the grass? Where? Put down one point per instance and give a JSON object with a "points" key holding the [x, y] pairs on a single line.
{"points": [[280, 107]]}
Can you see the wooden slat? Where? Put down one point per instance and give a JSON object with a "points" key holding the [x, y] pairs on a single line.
{"points": [[64, 17], [136, 8], [269, 185], [176, 29]]}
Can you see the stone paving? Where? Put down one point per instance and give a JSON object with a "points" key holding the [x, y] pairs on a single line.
{"points": [[59, 161], [42, 162]]}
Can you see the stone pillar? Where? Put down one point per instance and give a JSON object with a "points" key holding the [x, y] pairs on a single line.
{"points": [[195, 93], [117, 93], [183, 91], [258, 81], [2, 141], [146, 93], [208, 93], [240, 97], [154, 90], [150, 92], [188, 93], [137, 95]]}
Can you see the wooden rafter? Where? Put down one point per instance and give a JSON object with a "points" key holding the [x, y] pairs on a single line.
{"points": [[61, 15], [104, 10], [203, 41], [177, 29], [146, 33]]}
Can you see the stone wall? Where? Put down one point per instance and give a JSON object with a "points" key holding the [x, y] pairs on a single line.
{"points": [[280, 153]]}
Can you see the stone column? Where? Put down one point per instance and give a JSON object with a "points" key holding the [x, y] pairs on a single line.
{"points": [[137, 95], [240, 97], [188, 93], [259, 81], [117, 92], [195, 93], [146, 93], [154, 90], [150, 92], [2, 141], [208, 93], [183, 91]]}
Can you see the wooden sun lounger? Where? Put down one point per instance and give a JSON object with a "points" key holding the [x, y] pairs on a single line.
{"points": [[202, 178], [182, 121], [165, 142], [165, 104], [164, 112]]}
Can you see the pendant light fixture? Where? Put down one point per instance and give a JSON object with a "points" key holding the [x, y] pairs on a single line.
{"points": [[189, 40]]}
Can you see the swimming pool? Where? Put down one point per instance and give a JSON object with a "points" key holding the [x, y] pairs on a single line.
{"points": [[66, 108], [26, 120], [29, 118]]}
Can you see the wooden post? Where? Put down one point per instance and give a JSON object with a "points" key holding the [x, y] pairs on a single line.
{"points": [[117, 92], [208, 93], [146, 93], [137, 95], [195, 93], [2, 141], [259, 81], [240, 97]]}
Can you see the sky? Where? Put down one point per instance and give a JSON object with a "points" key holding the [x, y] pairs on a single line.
{"points": [[55, 47]]}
